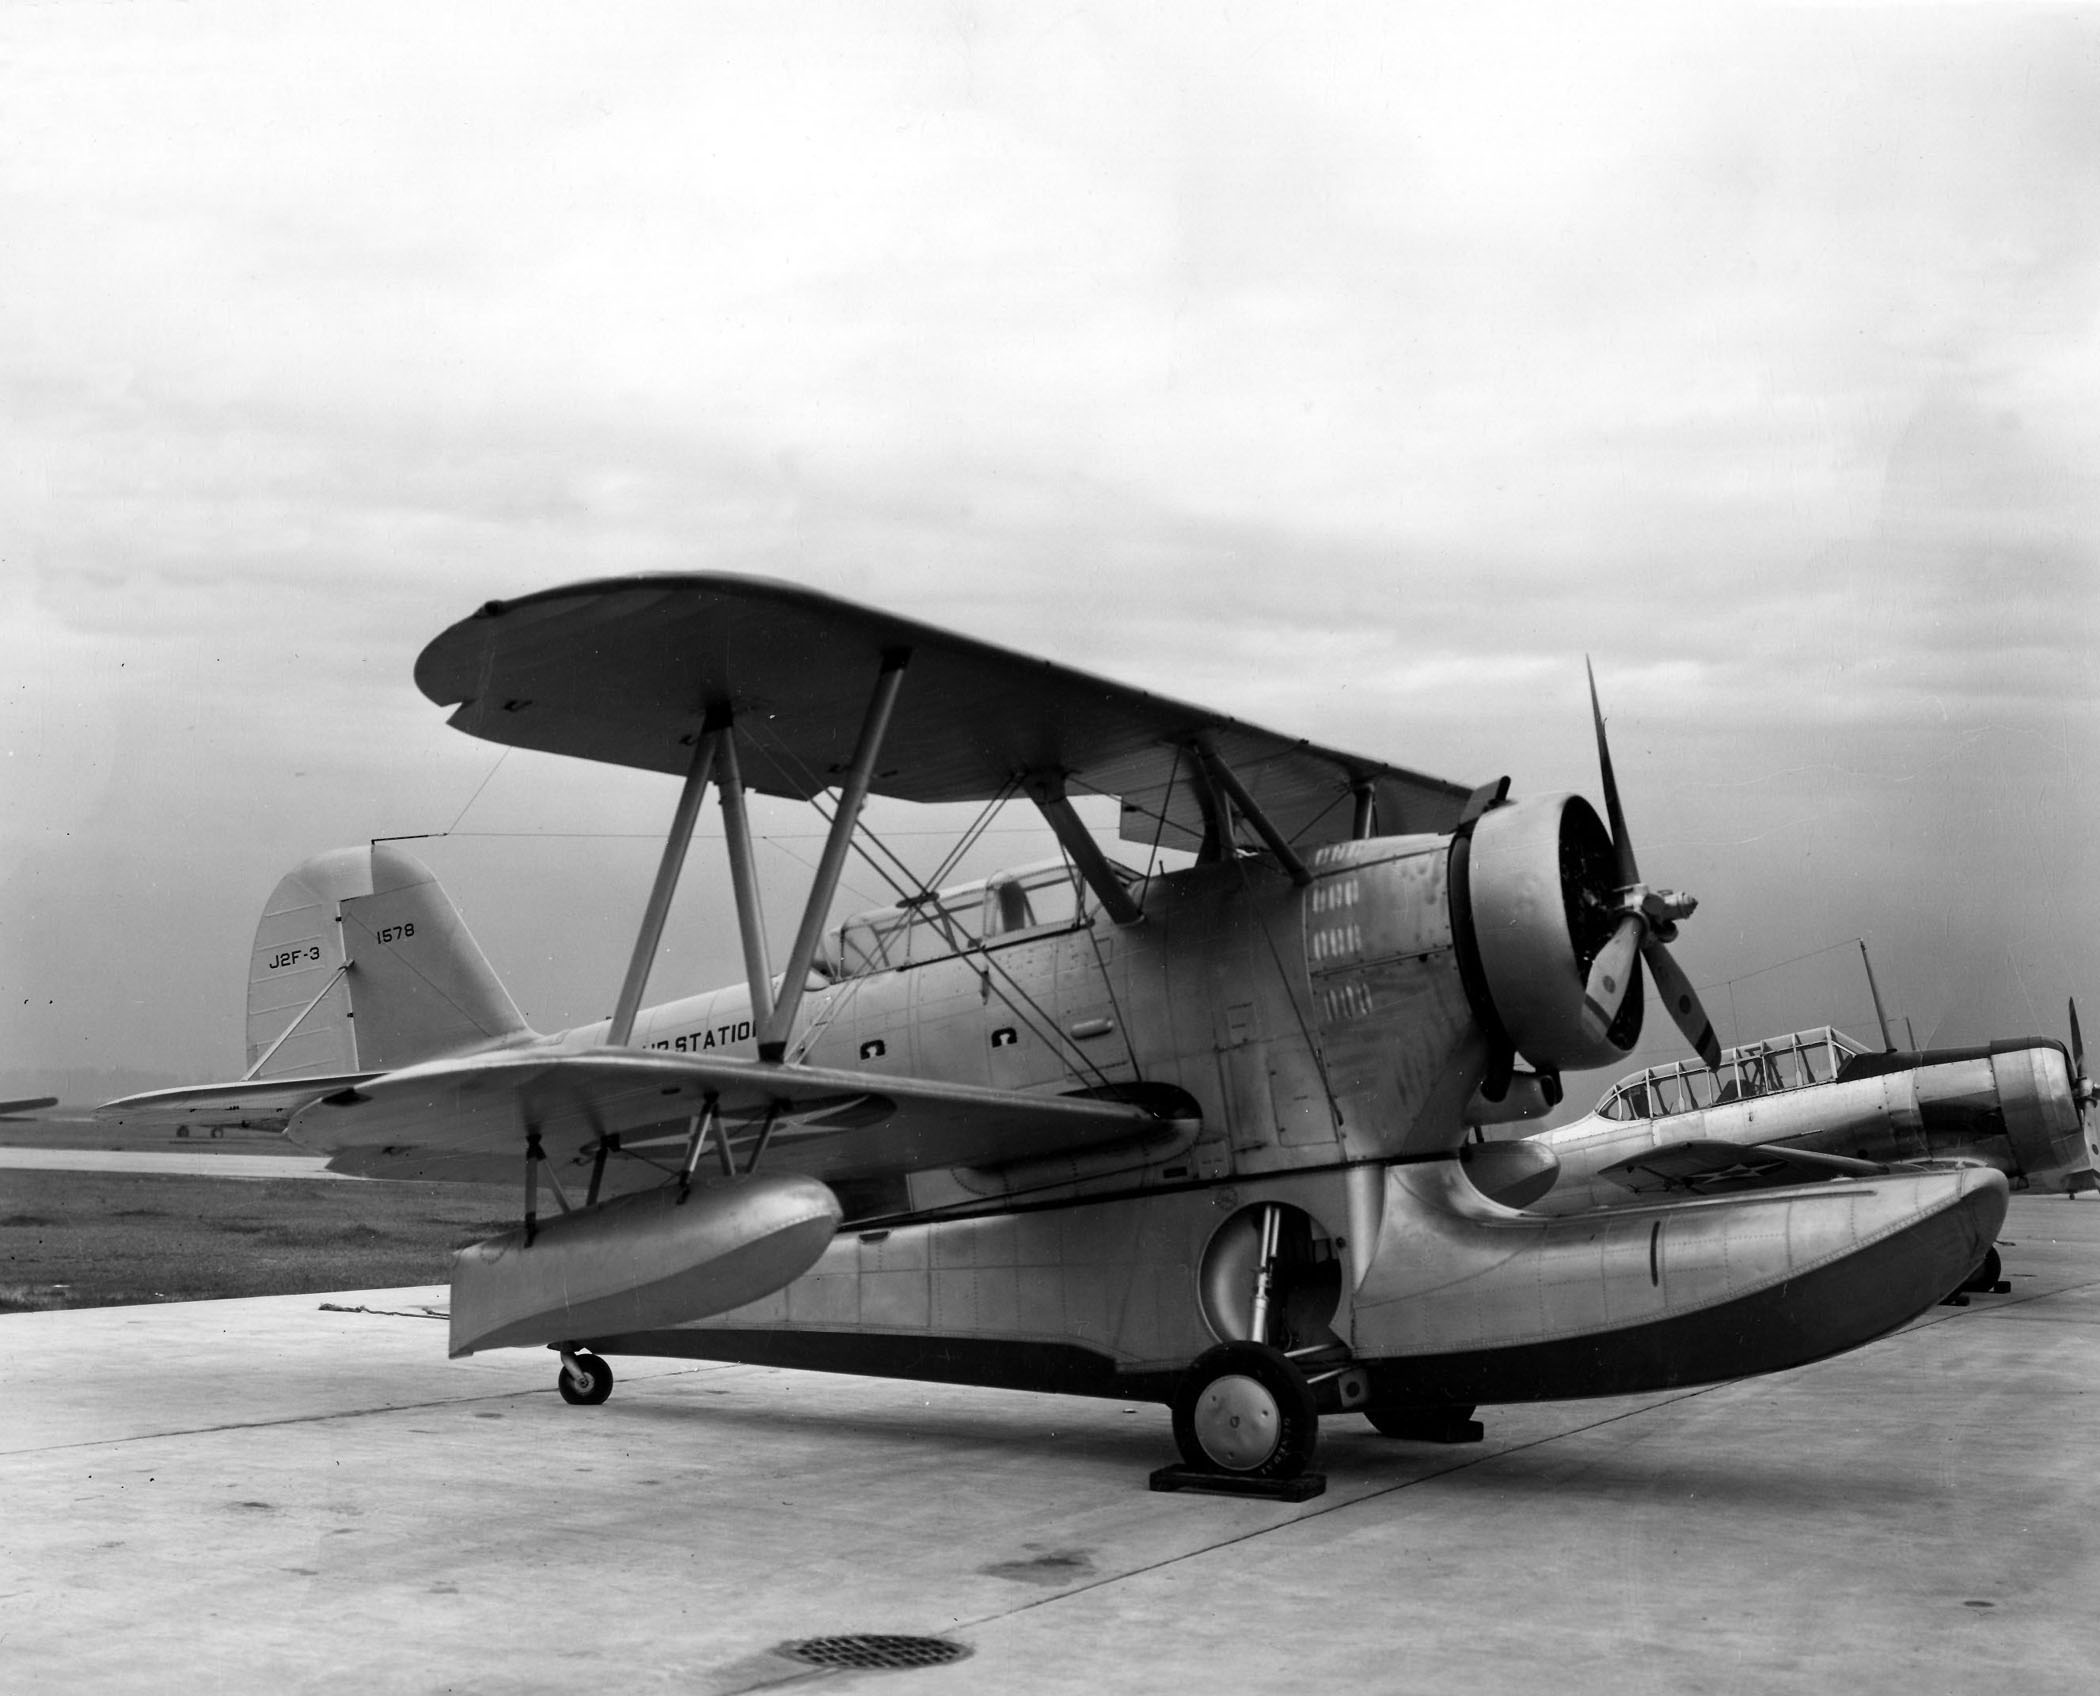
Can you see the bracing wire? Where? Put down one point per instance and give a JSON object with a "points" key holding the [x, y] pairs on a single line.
{"points": [[911, 891], [478, 788]]}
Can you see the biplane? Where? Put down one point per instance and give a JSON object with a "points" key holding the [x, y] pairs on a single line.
{"points": [[1187, 1135], [1810, 1106]]}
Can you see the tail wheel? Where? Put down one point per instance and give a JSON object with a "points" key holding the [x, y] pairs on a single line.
{"points": [[1243, 1408], [590, 1394]]}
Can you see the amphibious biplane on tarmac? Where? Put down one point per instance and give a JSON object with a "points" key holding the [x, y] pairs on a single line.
{"points": [[1190, 1137]]}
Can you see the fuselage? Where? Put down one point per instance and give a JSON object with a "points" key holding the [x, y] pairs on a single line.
{"points": [[1275, 1010]]}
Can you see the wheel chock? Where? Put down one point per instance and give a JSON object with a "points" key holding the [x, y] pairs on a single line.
{"points": [[1300, 1489], [1430, 1425]]}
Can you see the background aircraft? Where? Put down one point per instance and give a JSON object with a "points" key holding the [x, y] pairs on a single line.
{"points": [[1812, 1105], [1183, 1135]]}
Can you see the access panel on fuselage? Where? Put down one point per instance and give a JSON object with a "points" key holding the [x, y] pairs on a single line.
{"points": [[1401, 1043]]}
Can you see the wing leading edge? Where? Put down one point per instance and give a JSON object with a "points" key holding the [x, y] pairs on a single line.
{"points": [[627, 670]]}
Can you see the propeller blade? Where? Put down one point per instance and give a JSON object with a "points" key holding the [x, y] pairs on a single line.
{"points": [[1611, 973], [1622, 844], [1683, 1001], [2081, 1079]]}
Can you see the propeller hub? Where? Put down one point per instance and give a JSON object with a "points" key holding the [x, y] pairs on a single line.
{"points": [[1664, 906], [1657, 909]]}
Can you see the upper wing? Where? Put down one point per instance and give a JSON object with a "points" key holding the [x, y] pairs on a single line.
{"points": [[625, 670], [1721, 1168], [468, 1118]]}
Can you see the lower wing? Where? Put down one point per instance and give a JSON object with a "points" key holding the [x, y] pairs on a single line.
{"points": [[469, 1118], [1721, 1168]]}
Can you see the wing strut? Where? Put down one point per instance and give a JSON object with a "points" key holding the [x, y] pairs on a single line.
{"points": [[1223, 776], [743, 881], [853, 792], [1048, 793], [714, 758], [667, 870]]}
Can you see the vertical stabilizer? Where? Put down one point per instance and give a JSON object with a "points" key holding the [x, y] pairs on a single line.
{"points": [[361, 963], [298, 956]]}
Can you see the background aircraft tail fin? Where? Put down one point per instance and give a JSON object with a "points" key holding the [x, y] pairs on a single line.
{"points": [[362, 963]]}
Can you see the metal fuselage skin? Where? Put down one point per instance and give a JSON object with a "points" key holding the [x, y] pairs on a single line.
{"points": [[2012, 1107], [1326, 1037]]}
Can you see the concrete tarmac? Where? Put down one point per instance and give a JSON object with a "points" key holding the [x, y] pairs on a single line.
{"points": [[280, 1495]]}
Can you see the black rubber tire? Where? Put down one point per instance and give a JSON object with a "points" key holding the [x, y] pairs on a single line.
{"points": [[1256, 1409], [601, 1382], [1989, 1270]]}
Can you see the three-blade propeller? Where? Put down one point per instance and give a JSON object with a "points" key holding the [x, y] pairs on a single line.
{"points": [[1647, 920]]}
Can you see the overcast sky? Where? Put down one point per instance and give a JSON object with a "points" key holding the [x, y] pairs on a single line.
{"points": [[1355, 369]]}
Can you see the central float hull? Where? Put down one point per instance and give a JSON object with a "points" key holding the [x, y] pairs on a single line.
{"points": [[1408, 1287]]}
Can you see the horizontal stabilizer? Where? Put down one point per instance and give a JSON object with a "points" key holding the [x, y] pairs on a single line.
{"points": [[1722, 1168], [469, 1117], [264, 1104]]}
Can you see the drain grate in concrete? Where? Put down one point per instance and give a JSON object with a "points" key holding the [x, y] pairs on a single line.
{"points": [[874, 1651]]}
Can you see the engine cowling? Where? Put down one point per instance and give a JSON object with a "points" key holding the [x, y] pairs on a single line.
{"points": [[1532, 887]]}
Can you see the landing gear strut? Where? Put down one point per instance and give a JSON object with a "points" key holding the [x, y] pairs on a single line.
{"points": [[1245, 1416], [584, 1380]]}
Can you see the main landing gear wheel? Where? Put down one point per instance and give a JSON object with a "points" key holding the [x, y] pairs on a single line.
{"points": [[1244, 1409], [597, 1384]]}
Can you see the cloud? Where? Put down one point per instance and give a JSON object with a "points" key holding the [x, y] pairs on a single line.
{"points": [[1353, 369]]}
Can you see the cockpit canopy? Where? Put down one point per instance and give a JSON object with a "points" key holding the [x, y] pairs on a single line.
{"points": [[1034, 900], [1756, 1068]]}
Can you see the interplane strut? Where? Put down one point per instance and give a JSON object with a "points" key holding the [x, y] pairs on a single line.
{"points": [[660, 893], [714, 759], [853, 794]]}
